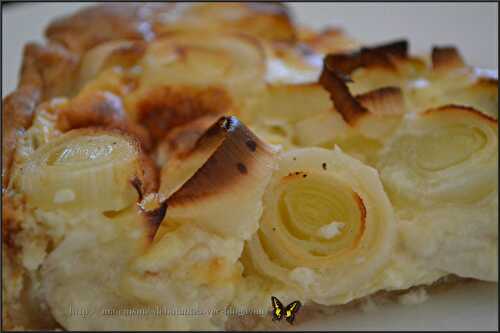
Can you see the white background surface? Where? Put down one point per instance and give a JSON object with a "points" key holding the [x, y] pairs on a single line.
{"points": [[472, 27]]}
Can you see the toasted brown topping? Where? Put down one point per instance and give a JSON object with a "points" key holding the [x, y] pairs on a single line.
{"points": [[378, 56], [95, 109], [446, 58], [99, 109], [164, 108], [51, 68], [226, 164]]}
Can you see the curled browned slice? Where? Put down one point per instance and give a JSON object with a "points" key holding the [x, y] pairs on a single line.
{"points": [[219, 183], [344, 102], [446, 58], [388, 100], [377, 56]]}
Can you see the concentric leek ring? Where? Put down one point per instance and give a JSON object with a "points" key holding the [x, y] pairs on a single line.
{"points": [[327, 213], [82, 169], [233, 61], [445, 155]]}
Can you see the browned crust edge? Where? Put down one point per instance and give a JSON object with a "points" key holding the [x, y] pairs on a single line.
{"points": [[109, 22]]}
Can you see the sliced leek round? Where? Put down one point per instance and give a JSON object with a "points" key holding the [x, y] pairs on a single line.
{"points": [[233, 61], [96, 58], [282, 107], [84, 169], [327, 224], [441, 173], [445, 155]]}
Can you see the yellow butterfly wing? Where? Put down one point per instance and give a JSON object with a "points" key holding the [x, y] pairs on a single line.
{"points": [[277, 308], [291, 310]]}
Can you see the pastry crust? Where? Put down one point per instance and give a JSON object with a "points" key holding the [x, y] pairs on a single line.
{"points": [[109, 22]]}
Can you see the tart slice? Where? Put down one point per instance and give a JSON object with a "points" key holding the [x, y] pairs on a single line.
{"points": [[164, 165]]}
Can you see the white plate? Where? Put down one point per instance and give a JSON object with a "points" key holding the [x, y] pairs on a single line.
{"points": [[472, 27]]}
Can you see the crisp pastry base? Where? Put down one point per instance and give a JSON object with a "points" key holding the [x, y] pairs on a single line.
{"points": [[307, 313]]}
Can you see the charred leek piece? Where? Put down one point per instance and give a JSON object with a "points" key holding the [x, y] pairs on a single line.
{"points": [[441, 173], [218, 185], [86, 169], [367, 120], [327, 224]]}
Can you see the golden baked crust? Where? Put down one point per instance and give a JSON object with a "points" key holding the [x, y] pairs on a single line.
{"points": [[101, 72]]}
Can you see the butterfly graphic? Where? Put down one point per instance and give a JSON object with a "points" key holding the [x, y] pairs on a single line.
{"points": [[289, 312]]}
